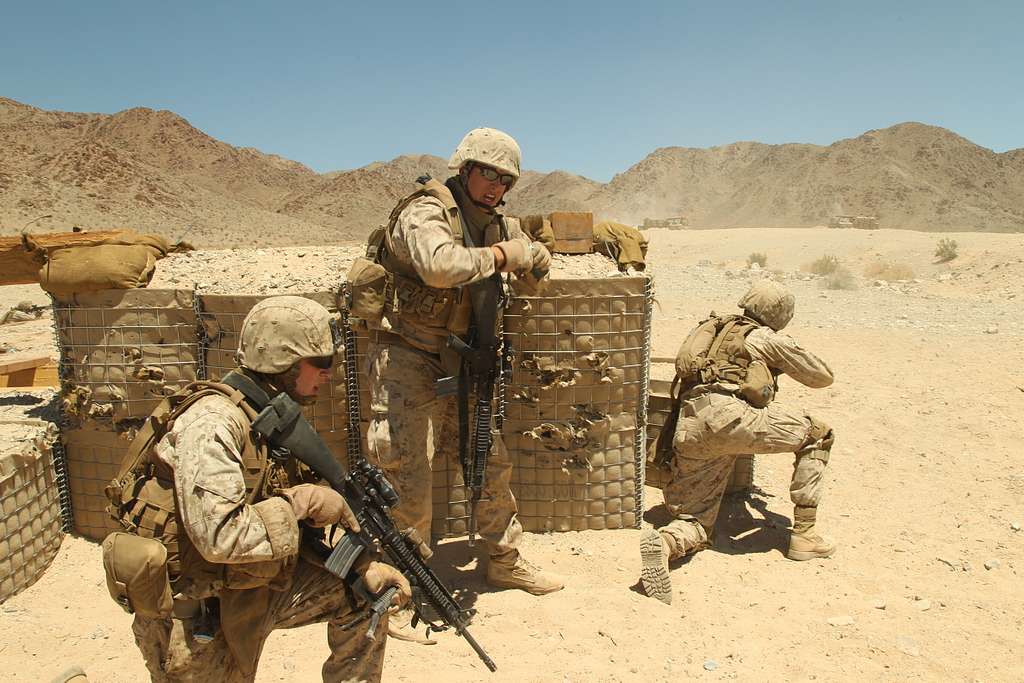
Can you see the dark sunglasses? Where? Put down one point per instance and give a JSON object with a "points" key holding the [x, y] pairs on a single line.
{"points": [[491, 174], [322, 362]]}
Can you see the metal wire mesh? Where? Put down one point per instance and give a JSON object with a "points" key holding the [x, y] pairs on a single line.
{"points": [[126, 349], [30, 522], [575, 416]]}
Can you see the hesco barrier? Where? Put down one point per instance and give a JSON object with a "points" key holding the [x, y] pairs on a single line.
{"points": [[121, 352], [31, 524], [659, 404], [575, 414]]}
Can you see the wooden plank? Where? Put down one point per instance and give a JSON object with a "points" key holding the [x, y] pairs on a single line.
{"points": [[17, 267], [47, 376], [16, 365], [572, 225], [28, 378], [578, 246]]}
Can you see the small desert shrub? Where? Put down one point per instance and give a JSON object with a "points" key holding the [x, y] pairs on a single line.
{"points": [[757, 257], [946, 250], [840, 278], [889, 271], [826, 265]]}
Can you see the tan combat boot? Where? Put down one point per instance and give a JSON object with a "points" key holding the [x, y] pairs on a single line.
{"points": [[400, 627], [73, 674], [513, 571], [805, 543], [656, 549]]}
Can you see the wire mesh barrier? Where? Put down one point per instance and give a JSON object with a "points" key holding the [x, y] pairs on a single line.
{"points": [[30, 511], [122, 351], [575, 402], [94, 453], [580, 373]]}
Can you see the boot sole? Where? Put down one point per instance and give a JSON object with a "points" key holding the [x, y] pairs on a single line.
{"points": [[653, 573]]}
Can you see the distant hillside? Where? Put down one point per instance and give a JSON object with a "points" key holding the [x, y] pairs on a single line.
{"points": [[910, 176], [153, 171]]}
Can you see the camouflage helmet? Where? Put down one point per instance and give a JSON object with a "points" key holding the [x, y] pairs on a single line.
{"points": [[769, 303], [281, 330], [488, 146]]}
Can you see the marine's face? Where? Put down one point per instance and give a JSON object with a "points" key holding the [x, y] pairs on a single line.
{"points": [[313, 373], [484, 185]]}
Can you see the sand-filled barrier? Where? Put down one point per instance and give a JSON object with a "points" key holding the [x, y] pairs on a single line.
{"points": [[574, 404]]}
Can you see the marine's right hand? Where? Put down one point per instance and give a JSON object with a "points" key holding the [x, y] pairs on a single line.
{"points": [[380, 576], [518, 258], [320, 506]]}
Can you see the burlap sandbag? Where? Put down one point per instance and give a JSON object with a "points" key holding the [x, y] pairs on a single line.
{"points": [[121, 263], [624, 243], [539, 229]]}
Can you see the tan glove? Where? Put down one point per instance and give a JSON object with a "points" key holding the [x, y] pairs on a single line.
{"points": [[320, 506], [541, 260], [380, 576], [517, 256]]}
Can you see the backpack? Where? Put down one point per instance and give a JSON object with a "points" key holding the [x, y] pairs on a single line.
{"points": [[715, 351]]}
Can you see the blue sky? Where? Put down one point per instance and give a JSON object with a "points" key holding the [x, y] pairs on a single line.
{"points": [[588, 87]]}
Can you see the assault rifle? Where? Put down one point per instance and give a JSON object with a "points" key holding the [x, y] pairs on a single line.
{"points": [[369, 495], [483, 363]]}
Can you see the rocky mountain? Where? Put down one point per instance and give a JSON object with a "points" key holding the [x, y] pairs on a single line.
{"points": [[153, 171], [910, 176]]}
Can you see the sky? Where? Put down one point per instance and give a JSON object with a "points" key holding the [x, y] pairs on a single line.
{"points": [[587, 87]]}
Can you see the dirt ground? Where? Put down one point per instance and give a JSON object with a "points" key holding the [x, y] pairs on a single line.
{"points": [[925, 496]]}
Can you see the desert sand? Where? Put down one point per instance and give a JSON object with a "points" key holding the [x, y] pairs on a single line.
{"points": [[925, 496]]}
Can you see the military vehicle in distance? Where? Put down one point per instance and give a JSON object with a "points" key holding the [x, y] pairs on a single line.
{"points": [[860, 222]]}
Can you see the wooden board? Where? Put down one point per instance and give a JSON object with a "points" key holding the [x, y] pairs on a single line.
{"points": [[29, 372], [574, 231]]}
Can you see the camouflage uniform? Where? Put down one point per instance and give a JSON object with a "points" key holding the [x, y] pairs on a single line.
{"points": [[409, 425], [238, 543], [438, 240], [203, 450], [715, 427]]}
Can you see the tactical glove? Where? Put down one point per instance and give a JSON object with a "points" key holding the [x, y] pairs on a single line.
{"points": [[517, 256], [541, 260], [380, 576], [319, 506]]}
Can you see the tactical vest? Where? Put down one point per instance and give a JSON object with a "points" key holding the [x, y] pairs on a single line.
{"points": [[423, 316], [142, 497], [715, 353]]}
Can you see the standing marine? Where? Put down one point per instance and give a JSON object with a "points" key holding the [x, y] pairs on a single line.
{"points": [[441, 241], [726, 374], [213, 557]]}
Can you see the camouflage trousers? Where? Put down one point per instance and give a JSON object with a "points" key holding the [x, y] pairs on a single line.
{"points": [[411, 428], [713, 430], [172, 655]]}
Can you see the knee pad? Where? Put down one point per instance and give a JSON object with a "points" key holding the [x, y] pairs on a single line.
{"points": [[820, 437]]}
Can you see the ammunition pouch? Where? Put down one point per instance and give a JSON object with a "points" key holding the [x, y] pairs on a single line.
{"points": [[136, 571], [367, 288], [758, 386]]}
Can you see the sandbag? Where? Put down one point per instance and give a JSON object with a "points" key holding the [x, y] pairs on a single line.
{"points": [[124, 262], [90, 269], [539, 230], [624, 243]]}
